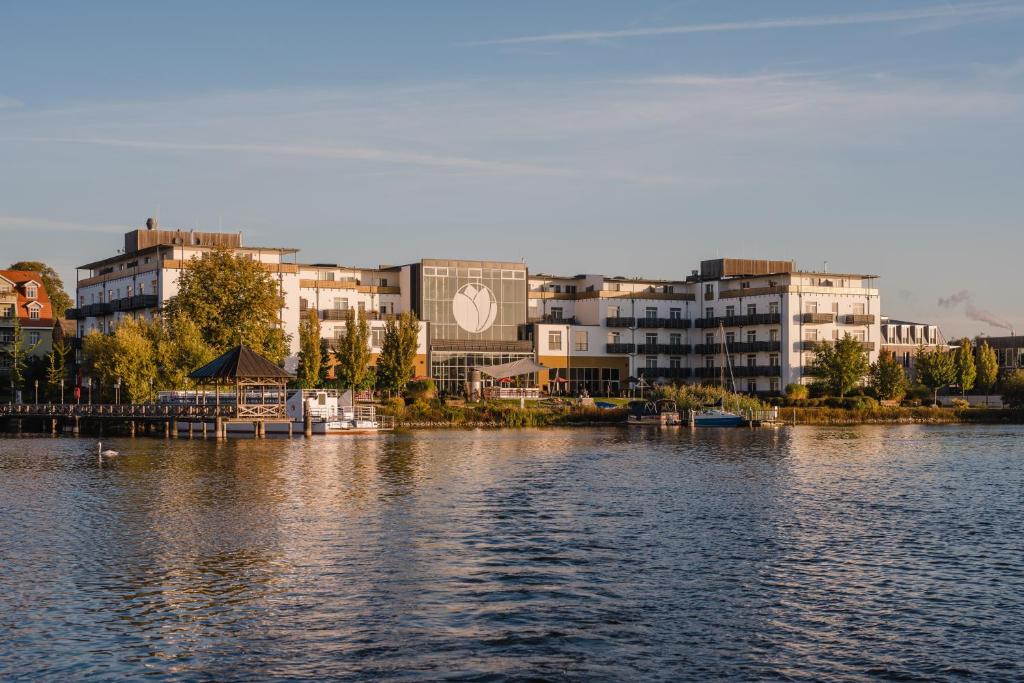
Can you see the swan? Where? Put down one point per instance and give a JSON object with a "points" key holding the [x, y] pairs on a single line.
{"points": [[104, 453]]}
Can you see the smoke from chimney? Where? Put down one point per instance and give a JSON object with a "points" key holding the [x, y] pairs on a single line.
{"points": [[972, 311]]}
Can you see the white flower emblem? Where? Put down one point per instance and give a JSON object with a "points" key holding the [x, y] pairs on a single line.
{"points": [[474, 307]]}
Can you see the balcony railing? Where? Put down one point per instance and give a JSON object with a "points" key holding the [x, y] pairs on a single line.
{"points": [[132, 303], [666, 373], [620, 348], [342, 314], [812, 344], [620, 322], [92, 310], [738, 371], [817, 318], [739, 320], [74, 314], [755, 346], [671, 349], [857, 319], [667, 323], [558, 319]]}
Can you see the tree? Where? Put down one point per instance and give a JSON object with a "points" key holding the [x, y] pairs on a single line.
{"points": [[966, 371], [327, 361], [17, 353], [128, 356], [1013, 389], [841, 365], [180, 349], [353, 353], [396, 364], [936, 369], [57, 364], [232, 300], [888, 378], [309, 351], [59, 299], [988, 367]]}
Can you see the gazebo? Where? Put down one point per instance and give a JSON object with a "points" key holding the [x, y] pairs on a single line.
{"points": [[260, 387]]}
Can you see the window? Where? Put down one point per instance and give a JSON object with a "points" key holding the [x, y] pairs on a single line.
{"points": [[33, 313], [709, 291], [570, 289], [709, 362], [675, 314], [361, 306], [675, 362], [811, 335], [651, 362], [31, 292], [651, 312], [860, 335], [773, 307], [773, 335], [751, 360], [709, 313], [128, 291], [383, 282], [340, 303], [556, 288], [153, 287], [835, 307], [556, 312], [744, 285], [33, 337], [751, 309], [613, 311], [835, 335], [858, 309], [555, 340], [377, 337], [675, 339], [752, 386], [751, 336], [732, 361], [730, 337], [730, 311], [709, 338], [810, 307], [774, 384], [613, 337], [651, 338], [773, 360], [582, 343]]}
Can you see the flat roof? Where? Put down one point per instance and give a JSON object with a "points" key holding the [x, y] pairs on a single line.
{"points": [[157, 247]]}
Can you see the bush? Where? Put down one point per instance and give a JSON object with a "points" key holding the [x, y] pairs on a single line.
{"points": [[421, 389], [796, 392], [1013, 389]]}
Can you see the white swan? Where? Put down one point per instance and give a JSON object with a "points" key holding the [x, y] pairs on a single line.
{"points": [[104, 453]]}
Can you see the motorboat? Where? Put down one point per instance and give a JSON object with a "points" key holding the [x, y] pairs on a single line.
{"points": [[658, 413], [716, 417]]}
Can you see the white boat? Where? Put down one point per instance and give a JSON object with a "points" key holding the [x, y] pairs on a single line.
{"points": [[660, 413]]}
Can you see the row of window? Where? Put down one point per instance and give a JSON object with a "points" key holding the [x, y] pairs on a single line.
{"points": [[113, 294], [31, 337], [811, 334], [581, 340], [812, 307]]}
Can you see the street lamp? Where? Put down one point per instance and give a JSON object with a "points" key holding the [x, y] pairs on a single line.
{"points": [[62, 391], [90, 391], [37, 392], [117, 391]]}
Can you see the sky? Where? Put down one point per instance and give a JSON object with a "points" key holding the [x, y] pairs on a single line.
{"points": [[620, 138]]}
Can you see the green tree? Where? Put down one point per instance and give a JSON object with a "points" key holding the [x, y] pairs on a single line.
{"points": [[353, 353], [326, 361], [936, 368], [309, 351], [966, 371], [396, 364], [233, 300], [840, 366], [127, 356], [57, 365], [180, 349], [1013, 389], [888, 378], [988, 367], [59, 299], [17, 353]]}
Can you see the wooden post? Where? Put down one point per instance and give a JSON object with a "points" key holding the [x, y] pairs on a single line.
{"points": [[691, 418], [307, 423], [75, 429], [289, 429], [131, 427], [174, 428], [218, 426], [167, 428], [204, 429], [53, 426], [190, 428]]}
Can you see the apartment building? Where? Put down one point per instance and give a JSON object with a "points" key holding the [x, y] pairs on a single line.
{"points": [[1009, 352], [140, 278], [903, 338], [24, 296]]}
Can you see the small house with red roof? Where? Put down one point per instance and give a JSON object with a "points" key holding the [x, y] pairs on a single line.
{"points": [[23, 296]]}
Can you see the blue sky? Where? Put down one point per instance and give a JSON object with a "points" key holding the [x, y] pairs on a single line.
{"points": [[624, 138]]}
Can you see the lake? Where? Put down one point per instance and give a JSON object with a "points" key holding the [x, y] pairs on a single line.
{"points": [[858, 553]]}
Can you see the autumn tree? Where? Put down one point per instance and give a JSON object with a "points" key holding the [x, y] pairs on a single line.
{"points": [[936, 369], [352, 351], [233, 300], [128, 356], [988, 367], [396, 364], [966, 371], [59, 299], [180, 349], [308, 374], [57, 364], [888, 378], [1013, 389], [841, 365]]}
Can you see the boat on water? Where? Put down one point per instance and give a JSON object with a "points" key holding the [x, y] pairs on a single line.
{"points": [[662, 413]]}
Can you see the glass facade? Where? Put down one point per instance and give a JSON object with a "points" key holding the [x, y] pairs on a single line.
{"points": [[466, 300], [450, 369], [597, 381]]}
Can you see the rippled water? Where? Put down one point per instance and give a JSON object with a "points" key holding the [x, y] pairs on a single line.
{"points": [[607, 554]]}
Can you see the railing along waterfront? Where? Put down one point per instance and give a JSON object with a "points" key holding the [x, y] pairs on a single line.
{"points": [[118, 410]]}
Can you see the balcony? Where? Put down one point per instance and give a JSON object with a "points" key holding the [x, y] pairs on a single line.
{"points": [[812, 345], [620, 348], [738, 371], [672, 349], [558, 320], [74, 314], [132, 303], [707, 348], [334, 313], [620, 322], [857, 319], [667, 323], [755, 346], [92, 310], [739, 320], [817, 318], [665, 373]]}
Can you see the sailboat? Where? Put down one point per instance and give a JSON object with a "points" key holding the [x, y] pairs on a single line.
{"points": [[719, 416]]}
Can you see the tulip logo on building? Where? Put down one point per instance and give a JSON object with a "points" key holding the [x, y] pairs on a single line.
{"points": [[474, 307]]}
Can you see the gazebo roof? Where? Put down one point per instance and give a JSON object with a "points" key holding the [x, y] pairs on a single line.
{"points": [[240, 362]]}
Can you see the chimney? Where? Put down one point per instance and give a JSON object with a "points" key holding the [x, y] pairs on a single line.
{"points": [[151, 224]]}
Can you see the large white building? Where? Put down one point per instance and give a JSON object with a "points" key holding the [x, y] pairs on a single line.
{"points": [[752, 324]]}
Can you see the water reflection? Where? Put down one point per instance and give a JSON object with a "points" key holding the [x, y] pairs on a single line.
{"points": [[606, 553]]}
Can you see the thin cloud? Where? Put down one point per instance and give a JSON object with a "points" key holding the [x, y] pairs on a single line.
{"points": [[950, 13], [28, 223]]}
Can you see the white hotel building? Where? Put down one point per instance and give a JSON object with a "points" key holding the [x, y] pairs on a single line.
{"points": [[753, 323]]}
